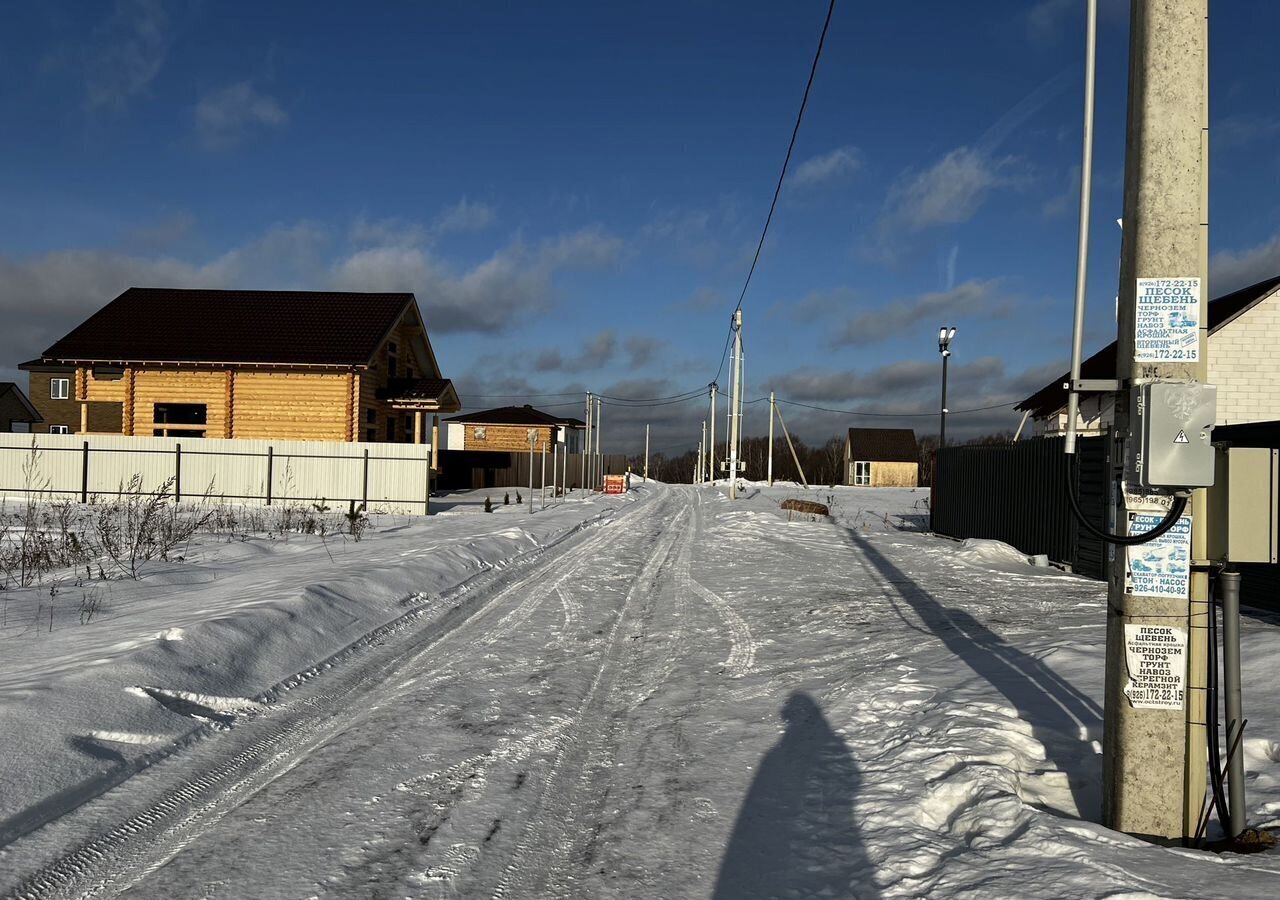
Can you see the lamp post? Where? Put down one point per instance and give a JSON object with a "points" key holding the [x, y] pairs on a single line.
{"points": [[945, 334]]}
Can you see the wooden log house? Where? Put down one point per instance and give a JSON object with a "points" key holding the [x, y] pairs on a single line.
{"points": [[293, 365]]}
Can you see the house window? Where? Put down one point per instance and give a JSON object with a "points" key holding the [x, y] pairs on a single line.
{"points": [[371, 417], [391, 359], [371, 434], [59, 389], [60, 429], [391, 428], [180, 419], [862, 473], [408, 429]]}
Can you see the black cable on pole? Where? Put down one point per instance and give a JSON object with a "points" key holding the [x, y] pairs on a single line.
{"points": [[1123, 540], [1211, 707], [777, 191]]}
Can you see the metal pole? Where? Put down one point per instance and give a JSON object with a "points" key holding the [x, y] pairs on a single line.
{"points": [[599, 479], [1165, 236], [1082, 249], [1231, 691], [737, 398], [532, 440], [555, 466], [942, 427], [771, 439], [542, 488], [711, 447]]}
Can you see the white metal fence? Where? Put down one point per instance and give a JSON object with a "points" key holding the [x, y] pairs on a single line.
{"points": [[391, 477]]}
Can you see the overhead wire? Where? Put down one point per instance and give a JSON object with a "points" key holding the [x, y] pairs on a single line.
{"points": [[795, 131], [893, 415]]}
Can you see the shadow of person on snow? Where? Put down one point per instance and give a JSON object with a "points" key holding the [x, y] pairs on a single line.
{"points": [[1054, 708], [795, 835]]}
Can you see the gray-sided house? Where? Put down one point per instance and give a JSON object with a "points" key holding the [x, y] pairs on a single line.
{"points": [[882, 457]]}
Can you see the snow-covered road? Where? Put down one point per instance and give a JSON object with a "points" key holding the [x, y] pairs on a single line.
{"points": [[696, 699]]}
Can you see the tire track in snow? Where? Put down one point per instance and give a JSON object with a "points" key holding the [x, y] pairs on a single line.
{"points": [[742, 650], [567, 788], [272, 742]]}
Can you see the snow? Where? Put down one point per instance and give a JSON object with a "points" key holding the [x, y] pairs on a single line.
{"points": [[692, 697]]}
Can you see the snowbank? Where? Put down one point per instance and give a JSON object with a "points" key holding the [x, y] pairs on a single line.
{"points": [[193, 643]]}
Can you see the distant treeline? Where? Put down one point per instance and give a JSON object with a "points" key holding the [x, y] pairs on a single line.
{"points": [[822, 464]]}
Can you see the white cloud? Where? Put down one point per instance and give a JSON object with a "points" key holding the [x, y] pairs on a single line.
{"points": [[828, 168], [976, 297], [43, 297], [223, 117], [511, 284], [948, 192], [1239, 131], [1231, 270], [1046, 18], [464, 216], [125, 53]]}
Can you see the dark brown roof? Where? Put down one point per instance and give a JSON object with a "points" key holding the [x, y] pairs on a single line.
{"points": [[509, 415], [280, 327], [883, 445], [1053, 396]]}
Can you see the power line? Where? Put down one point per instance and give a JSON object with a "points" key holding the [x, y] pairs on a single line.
{"points": [[680, 396], [777, 191], [684, 399], [904, 415]]}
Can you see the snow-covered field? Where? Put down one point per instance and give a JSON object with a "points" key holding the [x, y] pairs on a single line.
{"points": [[689, 698]]}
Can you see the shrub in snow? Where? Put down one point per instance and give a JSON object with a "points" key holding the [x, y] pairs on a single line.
{"points": [[506, 499], [519, 499], [488, 504]]}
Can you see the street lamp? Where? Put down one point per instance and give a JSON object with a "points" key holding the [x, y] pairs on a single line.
{"points": [[945, 334]]}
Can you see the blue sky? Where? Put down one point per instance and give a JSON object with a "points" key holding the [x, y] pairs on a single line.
{"points": [[574, 191]]}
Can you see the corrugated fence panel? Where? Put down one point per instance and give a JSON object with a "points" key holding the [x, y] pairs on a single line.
{"points": [[1015, 493], [235, 470]]}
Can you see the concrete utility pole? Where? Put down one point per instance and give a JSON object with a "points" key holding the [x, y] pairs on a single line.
{"points": [[771, 439], [1154, 759], [586, 433], [711, 447], [533, 436], [702, 454], [734, 424], [646, 453], [599, 478]]}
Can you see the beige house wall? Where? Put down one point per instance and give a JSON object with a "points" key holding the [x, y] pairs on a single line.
{"points": [[895, 474], [1244, 365]]}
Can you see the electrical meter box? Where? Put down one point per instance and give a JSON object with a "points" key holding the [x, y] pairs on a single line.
{"points": [[1171, 424], [1244, 506]]}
